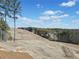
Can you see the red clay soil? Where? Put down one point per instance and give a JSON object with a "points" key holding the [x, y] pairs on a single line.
{"points": [[14, 55]]}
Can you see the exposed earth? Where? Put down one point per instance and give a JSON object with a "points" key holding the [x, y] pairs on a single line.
{"points": [[14, 55], [29, 45]]}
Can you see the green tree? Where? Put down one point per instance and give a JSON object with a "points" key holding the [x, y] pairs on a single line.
{"points": [[4, 8], [10, 8], [3, 24], [15, 9], [2, 27]]}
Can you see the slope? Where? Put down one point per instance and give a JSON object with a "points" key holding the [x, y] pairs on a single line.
{"points": [[40, 48]]}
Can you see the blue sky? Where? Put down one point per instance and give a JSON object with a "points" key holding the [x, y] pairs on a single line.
{"points": [[48, 14]]}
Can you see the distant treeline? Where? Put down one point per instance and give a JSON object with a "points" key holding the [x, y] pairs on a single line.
{"points": [[56, 34], [59, 30]]}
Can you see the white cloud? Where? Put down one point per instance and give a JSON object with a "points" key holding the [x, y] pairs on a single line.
{"points": [[44, 17], [59, 17], [51, 12], [25, 19], [42, 21], [53, 15], [75, 21], [64, 15], [25, 22], [77, 12], [39, 5], [68, 4]]}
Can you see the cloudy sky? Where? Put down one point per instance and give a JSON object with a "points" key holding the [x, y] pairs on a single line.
{"points": [[48, 14]]}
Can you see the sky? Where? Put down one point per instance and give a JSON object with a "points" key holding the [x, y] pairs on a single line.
{"points": [[48, 14]]}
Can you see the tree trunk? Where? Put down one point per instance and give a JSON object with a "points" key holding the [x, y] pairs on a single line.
{"points": [[5, 18], [1, 34], [14, 27], [5, 21]]}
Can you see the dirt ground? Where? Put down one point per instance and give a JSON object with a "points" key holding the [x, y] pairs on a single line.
{"points": [[31, 46], [14, 55]]}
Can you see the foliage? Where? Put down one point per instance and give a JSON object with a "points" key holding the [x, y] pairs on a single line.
{"points": [[3, 24], [15, 8]]}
